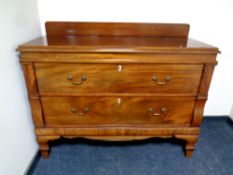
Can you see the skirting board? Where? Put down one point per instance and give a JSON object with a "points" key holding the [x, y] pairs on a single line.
{"points": [[32, 163], [231, 114], [213, 116]]}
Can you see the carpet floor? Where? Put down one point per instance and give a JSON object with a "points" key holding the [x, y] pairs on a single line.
{"points": [[213, 155]]}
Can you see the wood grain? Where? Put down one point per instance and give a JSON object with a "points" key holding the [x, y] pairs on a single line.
{"points": [[30, 78], [206, 79], [106, 111], [118, 38], [202, 94], [117, 29], [118, 131], [120, 58], [106, 78]]}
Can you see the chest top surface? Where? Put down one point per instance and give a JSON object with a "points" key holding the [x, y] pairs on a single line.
{"points": [[116, 37]]}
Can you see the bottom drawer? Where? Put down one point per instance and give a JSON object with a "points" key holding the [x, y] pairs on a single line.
{"points": [[117, 111]]}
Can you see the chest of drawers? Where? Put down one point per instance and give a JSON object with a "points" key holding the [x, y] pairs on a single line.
{"points": [[117, 81]]}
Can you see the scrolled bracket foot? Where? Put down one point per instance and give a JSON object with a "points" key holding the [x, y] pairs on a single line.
{"points": [[44, 146], [190, 143]]}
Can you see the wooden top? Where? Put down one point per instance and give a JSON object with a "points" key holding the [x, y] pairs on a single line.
{"points": [[116, 37]]}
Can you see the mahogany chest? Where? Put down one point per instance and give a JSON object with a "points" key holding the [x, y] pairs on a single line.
{"points": [[117, 82]]}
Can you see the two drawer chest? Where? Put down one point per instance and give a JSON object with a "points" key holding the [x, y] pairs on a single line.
{"points": [[117, 82]]}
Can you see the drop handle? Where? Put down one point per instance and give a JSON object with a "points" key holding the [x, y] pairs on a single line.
{"points": [[70, 78], [84, 111], [162, 111], [159, 82]]}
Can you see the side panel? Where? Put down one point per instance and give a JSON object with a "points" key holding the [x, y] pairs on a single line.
{"points": [[36, 108]]}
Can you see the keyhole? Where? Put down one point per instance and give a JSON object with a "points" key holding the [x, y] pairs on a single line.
{"points": [[118, 100], [120, 67]]}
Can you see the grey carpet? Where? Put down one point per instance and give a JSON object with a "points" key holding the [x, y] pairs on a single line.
{"points": [[213, 155]]}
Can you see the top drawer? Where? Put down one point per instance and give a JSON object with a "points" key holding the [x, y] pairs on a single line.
{"points": [[115, 78]]}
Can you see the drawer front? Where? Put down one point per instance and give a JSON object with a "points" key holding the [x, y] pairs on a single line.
{"points": [[112, 78], [117, 111]]}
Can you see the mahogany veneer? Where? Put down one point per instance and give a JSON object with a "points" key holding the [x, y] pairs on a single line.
{"points": [[117, 81]]}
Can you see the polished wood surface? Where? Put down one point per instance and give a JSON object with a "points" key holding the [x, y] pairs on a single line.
{"points": [[117, 78], [117, 111], [117, 29], [98, 44], [118, 58], [116, 37], [117, 82], [30, 78]]}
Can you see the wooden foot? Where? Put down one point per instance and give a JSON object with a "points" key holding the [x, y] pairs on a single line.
{"points": [[44, 154], [189, 148], [190, 143], [188, 153], [43, 144]]}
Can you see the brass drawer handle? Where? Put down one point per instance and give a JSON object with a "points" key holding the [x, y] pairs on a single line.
{"points": [[83, 78], [158, 82], [162, 111], [74, 111]]}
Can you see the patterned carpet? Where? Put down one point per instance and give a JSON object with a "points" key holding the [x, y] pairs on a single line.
{"points": [[213, 155]]}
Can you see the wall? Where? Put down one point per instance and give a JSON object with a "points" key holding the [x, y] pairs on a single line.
{"points": [[19, 23], [231, 114], [209, 19]]}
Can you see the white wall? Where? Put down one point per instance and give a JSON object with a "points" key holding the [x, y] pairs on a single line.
{"points": [[19, 23], [211, 22], [231, 114]]}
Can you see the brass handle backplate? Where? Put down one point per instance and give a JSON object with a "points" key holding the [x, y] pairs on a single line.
{"points": [[83, 78], [74, 111], [158, 82], [162, 111]]}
